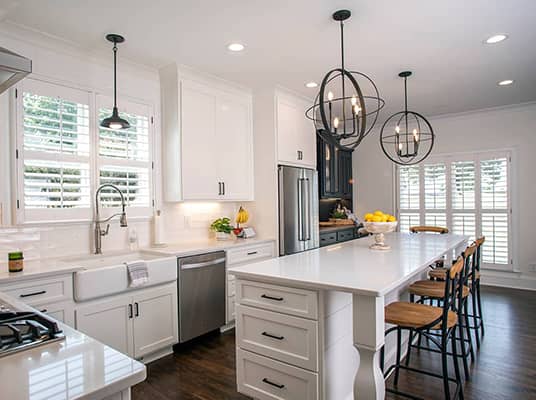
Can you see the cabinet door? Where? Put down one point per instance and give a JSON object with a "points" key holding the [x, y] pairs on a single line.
{"points": [[328, 167], [198, 130], [234, 149], [296, 144], [63, 311], [109, 321], [345, 174], [155, 320]]}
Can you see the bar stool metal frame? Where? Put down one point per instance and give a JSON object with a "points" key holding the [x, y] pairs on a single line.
{"points": [[462, 311], [446, 323], [477, 316]]}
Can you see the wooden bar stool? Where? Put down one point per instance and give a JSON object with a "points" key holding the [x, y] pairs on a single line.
{"points": [[474, 279], [432, 290], [423, 318]]}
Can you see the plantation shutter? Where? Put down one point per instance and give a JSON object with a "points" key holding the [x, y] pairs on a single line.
{"points": [[124, 158], [463, 198], [54, 148], [409, 197], [435, 194]]}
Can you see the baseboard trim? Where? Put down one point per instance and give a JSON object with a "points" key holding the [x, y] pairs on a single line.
{"points": [[512, 280]]}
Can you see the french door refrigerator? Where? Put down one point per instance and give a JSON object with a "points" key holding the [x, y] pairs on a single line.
{"points": [[298, 210]]}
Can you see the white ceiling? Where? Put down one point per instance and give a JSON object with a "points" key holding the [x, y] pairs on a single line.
{"points": [[291, 42]]}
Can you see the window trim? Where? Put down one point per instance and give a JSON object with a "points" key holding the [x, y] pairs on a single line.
{"points": [[74, 216], [477, 157]]}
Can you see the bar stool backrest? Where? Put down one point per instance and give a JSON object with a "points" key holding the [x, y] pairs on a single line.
{"points": [[428, 229], [453, 290], [478, 257], [469, 263]]}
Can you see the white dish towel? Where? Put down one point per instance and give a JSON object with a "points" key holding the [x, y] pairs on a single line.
{"points": [[138, 274]]}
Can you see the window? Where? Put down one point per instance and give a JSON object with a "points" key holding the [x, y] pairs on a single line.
{"points": [[469, 194], [61, 159]]}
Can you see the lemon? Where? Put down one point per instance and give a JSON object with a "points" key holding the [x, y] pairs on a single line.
{"points": [[391, 218], [378, 213], [368, 217], [377, 218]]}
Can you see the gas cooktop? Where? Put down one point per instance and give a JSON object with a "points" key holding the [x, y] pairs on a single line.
{"points": [[21, 330]]}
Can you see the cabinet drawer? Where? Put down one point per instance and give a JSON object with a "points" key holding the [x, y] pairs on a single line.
{"points": [[299, 302], [282, 337], [345, 235], [63, 311], [328, 238], [266, 379], [250, 253], [39, 291]]}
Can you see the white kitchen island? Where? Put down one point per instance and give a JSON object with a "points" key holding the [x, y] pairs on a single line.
{"points": [[299, 317]]}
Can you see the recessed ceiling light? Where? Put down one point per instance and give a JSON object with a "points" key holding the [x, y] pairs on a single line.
{"points": [[311, 84], [496, 38], [506, 82], [236, 47]]}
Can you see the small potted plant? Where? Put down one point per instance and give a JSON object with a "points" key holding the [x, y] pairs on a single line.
{"points": [[222, 227]]}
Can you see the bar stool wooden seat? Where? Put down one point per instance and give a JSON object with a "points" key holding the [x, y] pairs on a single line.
{"points": [[432, 291], [423, 318]]}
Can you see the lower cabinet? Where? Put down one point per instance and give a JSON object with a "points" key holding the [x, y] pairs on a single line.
{"points": [[63, 311], [135, 324]]}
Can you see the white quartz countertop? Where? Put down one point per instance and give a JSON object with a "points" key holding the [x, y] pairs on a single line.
{"points": [[352, 266], [78, 367], [54, 266]]}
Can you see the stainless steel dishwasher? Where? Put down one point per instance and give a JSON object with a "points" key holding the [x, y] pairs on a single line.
{"points": [[201, 289]]}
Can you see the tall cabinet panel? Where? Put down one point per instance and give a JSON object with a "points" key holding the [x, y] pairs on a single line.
{"points": [[334, 171], [199, 168], [208, 143]]}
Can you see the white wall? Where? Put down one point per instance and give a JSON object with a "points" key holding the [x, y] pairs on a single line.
{"points": [[62, 63], [503, 128]]}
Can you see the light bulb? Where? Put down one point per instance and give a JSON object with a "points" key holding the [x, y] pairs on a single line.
{"points": [[354, 100], [357, 109], [397, 129], [115, 125], [336, 122], [400, 145], [330, 96], [415, 135]]}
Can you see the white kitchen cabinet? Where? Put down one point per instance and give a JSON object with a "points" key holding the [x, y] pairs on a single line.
{"points": [[63, 311], [155, 320], [136, 324], [109, 321], [213, 157], [296, 136]]}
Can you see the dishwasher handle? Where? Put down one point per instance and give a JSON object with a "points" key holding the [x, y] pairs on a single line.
{"points": [[203, 264]]}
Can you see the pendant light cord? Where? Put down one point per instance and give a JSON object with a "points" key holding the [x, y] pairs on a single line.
{"points": [[115, 74], [343, 78], [406, 109]]}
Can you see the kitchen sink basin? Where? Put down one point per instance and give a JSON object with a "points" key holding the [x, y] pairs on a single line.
{"points": [[106, 274]]}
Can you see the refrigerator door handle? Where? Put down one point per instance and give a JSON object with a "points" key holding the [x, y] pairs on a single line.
{"points": [[307, 209], [300, 210]]}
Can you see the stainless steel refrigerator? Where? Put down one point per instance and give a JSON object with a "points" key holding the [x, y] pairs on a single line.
{"points": [[298, 210]]}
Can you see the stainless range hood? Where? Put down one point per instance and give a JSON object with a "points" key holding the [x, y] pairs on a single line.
{"points": [[12, 68]]}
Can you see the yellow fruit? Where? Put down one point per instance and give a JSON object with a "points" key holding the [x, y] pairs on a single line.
{"points": [[378, 212], [377, 218], [391, 218], [242, 217], [368, 217]]}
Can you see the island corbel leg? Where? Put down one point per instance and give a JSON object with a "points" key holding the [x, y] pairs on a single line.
{"points": [[368, 327]]}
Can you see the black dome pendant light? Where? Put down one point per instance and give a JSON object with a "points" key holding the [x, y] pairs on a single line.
{"points": [[115, 121], [411, 139], [343, 113]]}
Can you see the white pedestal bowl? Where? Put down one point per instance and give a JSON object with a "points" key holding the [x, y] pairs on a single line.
{"points": [[379, 229]]}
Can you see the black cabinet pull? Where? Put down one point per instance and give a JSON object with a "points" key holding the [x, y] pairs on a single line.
{"points": [[223, 185], [137, 310], [265, 296], [44, 310], [219, 189], [251, 253], [33, 294], [266, 380], [272, 336], [130, 311]]}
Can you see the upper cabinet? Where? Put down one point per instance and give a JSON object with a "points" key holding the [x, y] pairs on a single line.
{"points": [[208, 139], [296, 143], [334, 171]]}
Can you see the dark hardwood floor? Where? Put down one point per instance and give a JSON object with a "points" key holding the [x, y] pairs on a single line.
{"points": [[505, 366]]}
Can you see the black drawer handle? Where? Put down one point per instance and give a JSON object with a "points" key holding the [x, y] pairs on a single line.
{"points": [[33, 294], [272, 336], [44, 310], [251, 253], [265, 380], [265, 296]]}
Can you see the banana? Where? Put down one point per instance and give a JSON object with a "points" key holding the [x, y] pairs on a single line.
{"points": [[243, 216]]}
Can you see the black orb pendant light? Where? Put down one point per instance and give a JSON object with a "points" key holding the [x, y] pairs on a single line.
{"points": [[343, 112], [407, 137], [115, 121]]}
